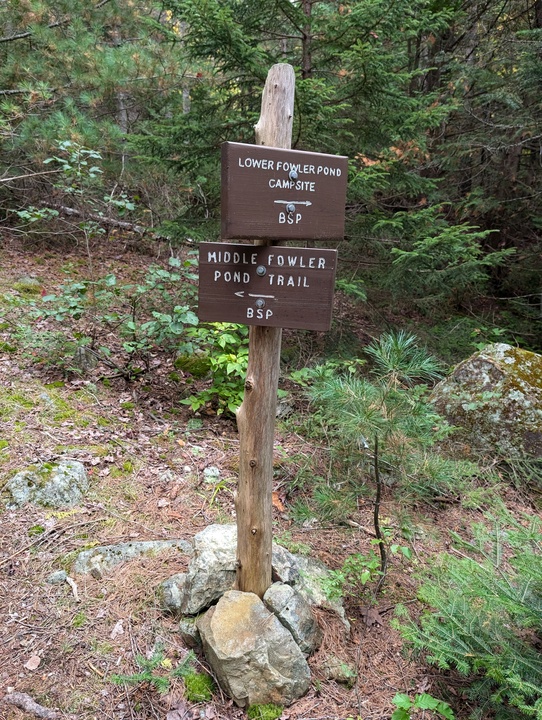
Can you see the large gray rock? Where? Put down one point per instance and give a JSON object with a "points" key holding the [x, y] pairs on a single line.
{"points": [[295, 614], [253, 656], [212, 572], [495, 399], [98, 560], [55, 486]]}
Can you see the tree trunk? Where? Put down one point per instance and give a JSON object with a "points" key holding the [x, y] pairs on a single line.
{"points": [[256, 416]]}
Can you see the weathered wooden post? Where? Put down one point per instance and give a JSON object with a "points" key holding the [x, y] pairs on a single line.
{"points": [[270, 193], [256, 416]]}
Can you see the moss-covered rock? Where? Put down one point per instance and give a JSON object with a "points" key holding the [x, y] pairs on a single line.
{"points": [[495, 399], [48, 485]]}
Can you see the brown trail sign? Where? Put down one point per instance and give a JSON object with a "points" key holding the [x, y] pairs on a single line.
{"points": [[270, 193], [267, 285], [282, 194]]}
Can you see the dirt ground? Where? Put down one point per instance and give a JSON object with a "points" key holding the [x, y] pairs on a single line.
{"points": [[145, 456]]}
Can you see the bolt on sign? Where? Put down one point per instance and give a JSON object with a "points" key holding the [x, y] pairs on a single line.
{"points": [[270, 193], [266, 285]]}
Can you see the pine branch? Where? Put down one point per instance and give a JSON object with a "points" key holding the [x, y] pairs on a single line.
{"points": [[51, 26]]}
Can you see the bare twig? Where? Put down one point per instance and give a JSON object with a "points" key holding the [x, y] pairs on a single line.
{"points": [[376, 522], [25, 702]]}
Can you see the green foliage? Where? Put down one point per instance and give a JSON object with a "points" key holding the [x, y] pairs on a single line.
{"points": [[199, 687], [447, 261], [158, 672], [151, 672], [399, 359], [225, 345], [105, 316], [348, 411], [357, 570], [270, 711], [406, 706], [486, 615]]}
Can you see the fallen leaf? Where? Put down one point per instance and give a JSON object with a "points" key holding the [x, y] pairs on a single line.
{"points": [[371, 616], [162, 503], [277, 502], [33, 662], [117, 630], [181, 443], [181, 711]]}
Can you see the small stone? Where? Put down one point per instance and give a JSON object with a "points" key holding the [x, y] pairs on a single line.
{"points": [[211, 474], [33, 662], [336, 669], [57, 578], [189, 632]]}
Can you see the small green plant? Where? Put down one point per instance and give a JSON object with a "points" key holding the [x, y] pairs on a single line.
{"points": [[398, 359], [356, 571], [96, 317], [199, 687], [406, 706], [226, 347], [151, 672], [270, 711]]}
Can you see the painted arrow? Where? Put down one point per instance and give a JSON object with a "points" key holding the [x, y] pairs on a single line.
{"points": [[294, 202], [241, 293]]}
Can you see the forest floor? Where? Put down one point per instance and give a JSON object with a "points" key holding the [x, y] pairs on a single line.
{"points": [[145, 455]]}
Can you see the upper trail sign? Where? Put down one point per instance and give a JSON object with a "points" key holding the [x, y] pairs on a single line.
{"points": [[274, 194]]}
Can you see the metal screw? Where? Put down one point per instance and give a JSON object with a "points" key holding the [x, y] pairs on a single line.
{"points": [[261, 270], [293, 175], [260, 303], [290, 208]]}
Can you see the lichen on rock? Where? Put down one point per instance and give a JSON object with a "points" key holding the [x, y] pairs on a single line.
{"points": [[495, 400]]}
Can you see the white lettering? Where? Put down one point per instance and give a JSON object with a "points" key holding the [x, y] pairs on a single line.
{"points": [[236, 276], [250, 312], [311, 262], [257, 163], [321, 263]]}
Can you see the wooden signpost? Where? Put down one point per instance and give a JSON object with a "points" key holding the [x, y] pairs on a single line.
{"points": [[270, 193]]}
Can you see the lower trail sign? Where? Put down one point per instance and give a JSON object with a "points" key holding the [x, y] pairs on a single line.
{"points": [[267, 285]]}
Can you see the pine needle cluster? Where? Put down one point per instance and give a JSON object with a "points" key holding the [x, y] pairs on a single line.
{"points": [[486, 618]]}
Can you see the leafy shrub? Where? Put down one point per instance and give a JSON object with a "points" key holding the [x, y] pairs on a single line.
{"points": [[225, 346], [406, 706], [486, 617]]}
